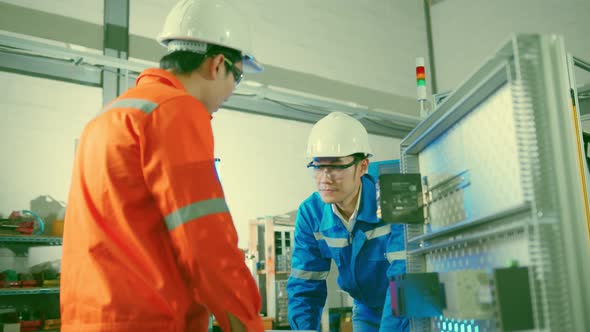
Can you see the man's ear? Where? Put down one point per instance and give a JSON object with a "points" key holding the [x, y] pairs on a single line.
{"points": [[364, 166], [214, 68]]}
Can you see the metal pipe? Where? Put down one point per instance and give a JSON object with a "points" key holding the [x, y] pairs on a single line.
{"points": [[431, 61], [582, 64]]}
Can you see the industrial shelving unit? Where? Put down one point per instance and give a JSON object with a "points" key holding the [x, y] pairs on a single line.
{"points": [[46, 299]]}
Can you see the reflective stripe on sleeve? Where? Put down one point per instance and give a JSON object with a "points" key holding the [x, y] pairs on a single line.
{"points": [[309, 275], [334, 242], [377, 232], [194, 211], [395, 255], [143, 105]]}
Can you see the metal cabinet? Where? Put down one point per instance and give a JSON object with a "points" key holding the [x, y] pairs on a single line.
{"points": [[271, 240], [507, 219]]}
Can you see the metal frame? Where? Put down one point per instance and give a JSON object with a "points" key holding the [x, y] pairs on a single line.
{"points": [[553, 184], [579, 89], [581, 63], [6, 241], [51, 60], [431, 60], [116, 45], [19, 245], [29, 291]]}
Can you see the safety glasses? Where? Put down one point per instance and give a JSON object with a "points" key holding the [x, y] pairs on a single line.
{"points": [[238, 74], [334, 171], [316, 166]]}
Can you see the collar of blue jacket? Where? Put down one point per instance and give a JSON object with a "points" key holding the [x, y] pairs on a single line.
{"points": [[367, 207]]}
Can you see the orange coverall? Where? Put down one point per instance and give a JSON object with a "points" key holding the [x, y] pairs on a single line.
{"points": [[149, 243]]}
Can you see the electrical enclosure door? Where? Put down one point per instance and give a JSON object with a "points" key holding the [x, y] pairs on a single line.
{"points": [[504, 186]]}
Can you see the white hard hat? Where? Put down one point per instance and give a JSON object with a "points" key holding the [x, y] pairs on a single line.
{"points": [[338, 135], [212, 22]]}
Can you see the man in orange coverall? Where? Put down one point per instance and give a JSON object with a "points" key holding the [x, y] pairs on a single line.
{"points": [[149, 243]]}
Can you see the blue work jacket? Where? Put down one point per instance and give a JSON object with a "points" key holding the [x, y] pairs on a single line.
{"points": [[365, 257]]}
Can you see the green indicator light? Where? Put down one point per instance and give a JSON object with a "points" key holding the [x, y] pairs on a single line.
{"points": [[512, 263], [421, 82]]}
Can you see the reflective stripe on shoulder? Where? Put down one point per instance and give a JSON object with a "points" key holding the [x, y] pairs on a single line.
{"points": [[309, 275], [334, 242], [194, 211], [377, 232], [395, 255], [143, 105]]}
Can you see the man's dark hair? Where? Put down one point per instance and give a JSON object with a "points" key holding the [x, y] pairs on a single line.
{"points": [[359, 156], [185, 62]]}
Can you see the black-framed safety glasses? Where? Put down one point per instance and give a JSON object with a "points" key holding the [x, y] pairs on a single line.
{"points": [[317, 167], [238, 74]]}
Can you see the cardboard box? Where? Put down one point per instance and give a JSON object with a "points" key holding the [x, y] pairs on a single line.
{"points": [[346, 327], [267, 321], [346, 322]]}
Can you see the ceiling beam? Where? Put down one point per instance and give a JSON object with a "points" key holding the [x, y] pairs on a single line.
{"points": [[67, 30]]}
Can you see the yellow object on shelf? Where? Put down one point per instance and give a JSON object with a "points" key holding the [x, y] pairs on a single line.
{"points": [[51, 283], [52, 324], [267, 322], [57, 229]]}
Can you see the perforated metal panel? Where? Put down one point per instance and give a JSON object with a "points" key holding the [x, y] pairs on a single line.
{"points": [[494, 249], [484, 144]]}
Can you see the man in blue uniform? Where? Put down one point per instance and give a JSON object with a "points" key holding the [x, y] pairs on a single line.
{"points": [[339, 222]]}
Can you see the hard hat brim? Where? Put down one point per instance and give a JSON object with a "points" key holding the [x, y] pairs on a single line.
{"points": [[250, 64]]}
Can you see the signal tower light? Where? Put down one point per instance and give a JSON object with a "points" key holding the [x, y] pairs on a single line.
{"points": [[420, 79], [421, 86]]}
